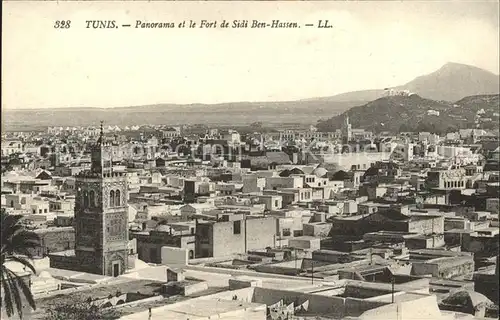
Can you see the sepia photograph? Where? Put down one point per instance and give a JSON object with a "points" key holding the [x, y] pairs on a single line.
{"points": [[253, 160]]}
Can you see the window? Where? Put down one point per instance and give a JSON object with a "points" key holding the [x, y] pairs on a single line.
{"points": [[275, 203], [39, 210], [117, 198], [236, 227], [44, 210], [111, 198], [92, 198], [85, 199], [286, 232], [12, 203]]}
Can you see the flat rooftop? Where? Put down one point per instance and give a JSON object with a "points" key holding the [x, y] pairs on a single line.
{"points": [[202, 309]]}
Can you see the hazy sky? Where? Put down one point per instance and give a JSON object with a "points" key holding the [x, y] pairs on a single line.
{"points": [[372, 45]]}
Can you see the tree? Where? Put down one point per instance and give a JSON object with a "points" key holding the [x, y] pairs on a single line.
{"points": [[85, 310], [17, 246]]}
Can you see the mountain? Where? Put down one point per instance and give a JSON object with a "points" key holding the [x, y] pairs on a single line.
{"points": [[414, 113], [454, 81], [451, 82]]}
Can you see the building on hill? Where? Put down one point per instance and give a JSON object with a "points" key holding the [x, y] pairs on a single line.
{"points": [[493, 161]]}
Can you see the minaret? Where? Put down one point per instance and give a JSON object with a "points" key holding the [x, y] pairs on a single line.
{"points": [[101, 214], [346, 130]]}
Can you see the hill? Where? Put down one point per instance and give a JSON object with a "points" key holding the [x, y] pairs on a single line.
{"points": [[451, 82], [238, 113], [414, 113]]}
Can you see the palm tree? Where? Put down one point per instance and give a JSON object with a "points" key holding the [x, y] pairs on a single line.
{"points": [[17, 244]]}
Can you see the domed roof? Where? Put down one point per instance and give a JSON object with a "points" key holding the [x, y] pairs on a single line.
{"points": [[296, 171], [162, 228], [372, 171], [341, 175], [467, 298], [44, 274], [320, 172], [285, 173]]}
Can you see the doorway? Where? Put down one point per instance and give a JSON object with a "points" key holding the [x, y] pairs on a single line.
{"points": [[116, 269]]}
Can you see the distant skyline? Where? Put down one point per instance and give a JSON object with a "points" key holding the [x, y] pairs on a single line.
{"points": [[372, 45]]}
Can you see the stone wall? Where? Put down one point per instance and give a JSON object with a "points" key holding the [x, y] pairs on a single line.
{"points": [[333, 306], [427, 225], [174, 256], [457, 266], [253, 234], [482, 246], [65, 262], [424, 268], [487, 284], [260, 233], [226, 240], [55, 240], [195, 288], [317, 229], [446, 268], [332, 256], [289, 271]]}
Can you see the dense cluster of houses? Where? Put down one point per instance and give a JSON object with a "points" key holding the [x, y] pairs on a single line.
{"points": [[350, 224]]}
